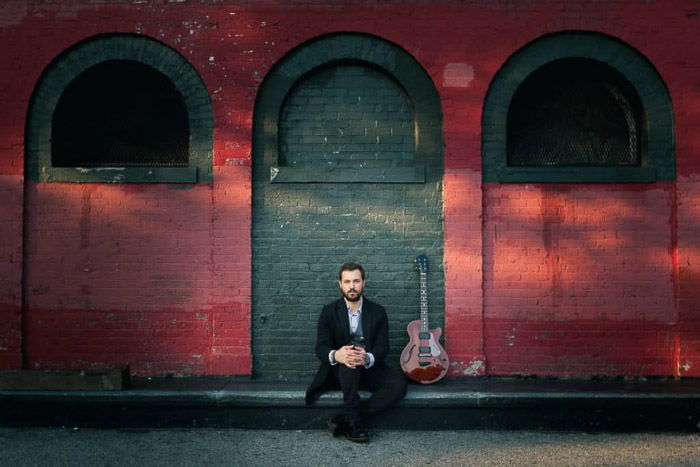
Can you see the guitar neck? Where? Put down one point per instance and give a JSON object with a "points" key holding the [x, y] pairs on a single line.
{"points": [[424, 301]]}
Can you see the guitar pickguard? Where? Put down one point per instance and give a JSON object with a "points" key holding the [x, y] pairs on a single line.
{"points": [[432, 350]]}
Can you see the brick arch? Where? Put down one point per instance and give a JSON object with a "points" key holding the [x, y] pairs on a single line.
{"points": [[309, 220], [359, 48], [119, 47], [658, 162], [575, 273]]}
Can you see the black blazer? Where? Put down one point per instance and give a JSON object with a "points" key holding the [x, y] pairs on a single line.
{"points": [[334, 332]]}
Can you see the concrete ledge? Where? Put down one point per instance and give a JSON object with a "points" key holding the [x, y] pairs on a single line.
{"points": [[476, 404], [65, 380]]}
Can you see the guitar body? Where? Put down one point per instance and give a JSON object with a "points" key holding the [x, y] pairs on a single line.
{"points": [[423, 359]]}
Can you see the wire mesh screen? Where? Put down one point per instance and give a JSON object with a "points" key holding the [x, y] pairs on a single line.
{"points": [[575, 112], [120, 113]]}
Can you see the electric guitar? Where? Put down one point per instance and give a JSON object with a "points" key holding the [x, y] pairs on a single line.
{"points": [[423, 359]]}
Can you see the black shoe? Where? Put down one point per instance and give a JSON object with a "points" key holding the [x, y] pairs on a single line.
{"points": [[336, 425], [356, 433]]}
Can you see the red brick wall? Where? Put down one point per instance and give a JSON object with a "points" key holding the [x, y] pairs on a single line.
{"points": [[463, 273], [14, 89], [10, 271], [580, 276], [152, 275], [556, 280]]}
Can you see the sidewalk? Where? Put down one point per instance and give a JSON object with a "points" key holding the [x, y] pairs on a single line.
{"points": [[479, 403]]}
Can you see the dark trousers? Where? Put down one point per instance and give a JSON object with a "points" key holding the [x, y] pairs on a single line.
{"points": [[387, 385]]}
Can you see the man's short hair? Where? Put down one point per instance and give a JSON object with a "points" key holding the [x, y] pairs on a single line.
{"points": [[351, 267]]}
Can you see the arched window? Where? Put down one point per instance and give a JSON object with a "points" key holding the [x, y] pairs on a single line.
{"points": [[575, 112], [577, 107], [120, 113], [347, 108], [120, 108]]}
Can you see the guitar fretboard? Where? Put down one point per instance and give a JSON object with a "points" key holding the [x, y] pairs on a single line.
{"points": [[424, 301]]}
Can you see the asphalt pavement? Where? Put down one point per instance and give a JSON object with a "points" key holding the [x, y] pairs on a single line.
{"points": [[237, 447]]}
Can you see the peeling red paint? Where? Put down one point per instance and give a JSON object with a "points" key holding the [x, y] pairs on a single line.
{"points": [[154, 342], [580, 348]]}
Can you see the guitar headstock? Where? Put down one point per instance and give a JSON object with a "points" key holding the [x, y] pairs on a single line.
{"points": [[422, 264]]}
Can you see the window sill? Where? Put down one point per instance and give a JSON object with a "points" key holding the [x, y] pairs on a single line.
{"points": [[577, 175], [415, 174], [119, 174]]}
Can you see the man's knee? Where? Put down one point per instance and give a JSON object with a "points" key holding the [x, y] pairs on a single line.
{"points": [[348, 376]]}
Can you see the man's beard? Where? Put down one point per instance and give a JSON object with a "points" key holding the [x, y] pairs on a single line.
{"points": [[350, 298]]}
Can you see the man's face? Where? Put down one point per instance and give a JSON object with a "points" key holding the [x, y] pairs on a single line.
{"points": [[351, 284]]}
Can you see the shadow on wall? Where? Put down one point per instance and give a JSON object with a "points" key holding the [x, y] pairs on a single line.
{"points": [[300, 239], [130, 274], [579, 280]]}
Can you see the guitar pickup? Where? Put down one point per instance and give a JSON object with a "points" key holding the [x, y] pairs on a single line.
{"points": [[424, 352], [423, 335]]}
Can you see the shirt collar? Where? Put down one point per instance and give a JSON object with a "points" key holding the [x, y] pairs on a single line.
{"points": [[359, 308]]}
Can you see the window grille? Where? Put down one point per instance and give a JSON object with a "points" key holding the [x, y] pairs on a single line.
{"points": [[120, 113], [575, 112]]}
